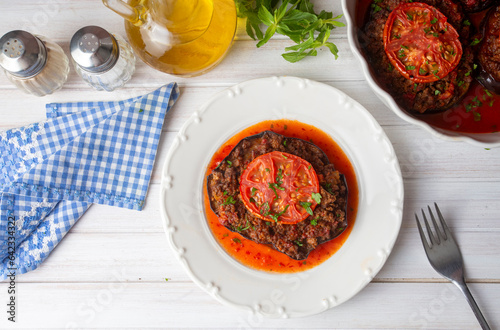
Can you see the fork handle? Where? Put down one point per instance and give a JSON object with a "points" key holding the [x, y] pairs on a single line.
{"points": [[475, 308]]}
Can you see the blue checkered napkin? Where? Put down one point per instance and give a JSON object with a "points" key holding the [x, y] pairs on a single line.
{"points": [[59, 109], [39, 225], [87, 152]]}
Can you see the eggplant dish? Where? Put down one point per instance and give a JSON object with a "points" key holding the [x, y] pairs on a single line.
{"points": [[420, 51], [472, 6], [280, 191], [488, 55]]}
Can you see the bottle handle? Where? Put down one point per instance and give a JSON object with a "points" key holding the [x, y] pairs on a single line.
{"points": [[123, 9]]}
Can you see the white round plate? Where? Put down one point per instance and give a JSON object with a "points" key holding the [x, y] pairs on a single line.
{"points": [[380, 197]]}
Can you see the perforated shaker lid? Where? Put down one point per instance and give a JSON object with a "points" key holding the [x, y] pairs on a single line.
{"points": [[94, 49], [22, 54]]}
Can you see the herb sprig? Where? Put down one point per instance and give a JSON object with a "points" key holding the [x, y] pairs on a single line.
{"points": [[295, 19]]}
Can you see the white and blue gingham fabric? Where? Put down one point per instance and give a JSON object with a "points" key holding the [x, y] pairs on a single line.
{"points": [[86, 152]]}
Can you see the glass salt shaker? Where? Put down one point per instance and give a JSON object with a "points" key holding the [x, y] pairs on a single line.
{"points": [[34, 64], [104, 60]]}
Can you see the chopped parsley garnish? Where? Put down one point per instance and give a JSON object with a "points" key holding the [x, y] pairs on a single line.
{"points": [[316, 197], [307, 207], [276, 186], [475, 41], [434, 20], [229, 200], [279, 178], [264, 209], [376, 8], [279, 182], [273, 187], [477, 116], [239, 229], [230, 163], [254, 190], [277, 215], [328, 187], [314, 222], [476, 103], [298, 243]]}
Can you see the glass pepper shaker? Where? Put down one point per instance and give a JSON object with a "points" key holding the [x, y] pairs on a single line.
{"points": [[105, 61], [34, 64]]}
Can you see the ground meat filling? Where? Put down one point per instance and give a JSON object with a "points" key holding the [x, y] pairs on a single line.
{"points": [[419, 97], [295, 240]]}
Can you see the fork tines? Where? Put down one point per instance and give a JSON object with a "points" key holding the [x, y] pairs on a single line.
{"points": [[440, 234]]}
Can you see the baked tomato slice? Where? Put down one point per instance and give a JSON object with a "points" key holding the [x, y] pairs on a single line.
{"points": [[421, 43], [278, 186]]}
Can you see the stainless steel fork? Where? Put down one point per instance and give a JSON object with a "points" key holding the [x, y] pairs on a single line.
{"points": [[446, 259]]}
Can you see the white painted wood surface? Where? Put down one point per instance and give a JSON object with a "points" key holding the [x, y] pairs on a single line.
{"points": [[110, 270]]}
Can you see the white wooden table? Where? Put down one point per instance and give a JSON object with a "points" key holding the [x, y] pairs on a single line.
{"points": [[110, 270]]}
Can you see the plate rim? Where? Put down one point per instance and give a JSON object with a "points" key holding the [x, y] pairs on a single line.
{"points": [[166, 183]]}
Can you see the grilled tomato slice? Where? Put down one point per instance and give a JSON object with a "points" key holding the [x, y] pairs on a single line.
{"points": [[421, 43], [278, 186]]}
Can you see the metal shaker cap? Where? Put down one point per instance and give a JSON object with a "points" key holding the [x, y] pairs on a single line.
{"points": [[94, 49], [22, 54]]}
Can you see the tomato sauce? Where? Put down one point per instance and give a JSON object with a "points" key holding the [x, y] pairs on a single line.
{"points": [[262, 256], [478, 112]]}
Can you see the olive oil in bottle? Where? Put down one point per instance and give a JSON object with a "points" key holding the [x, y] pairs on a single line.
{"points": [[180, 37]]}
